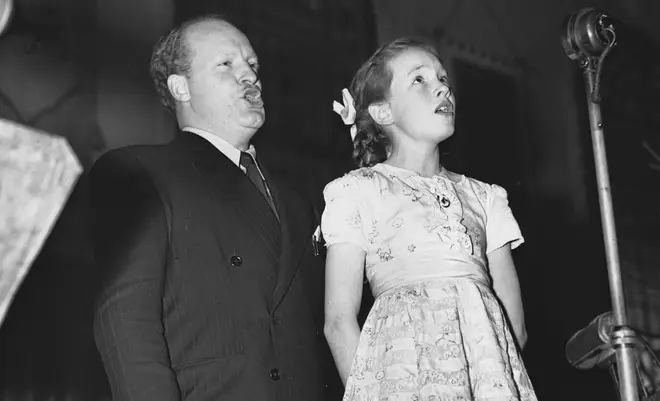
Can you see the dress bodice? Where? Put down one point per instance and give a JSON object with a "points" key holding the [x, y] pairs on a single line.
{"points": [[415, 228]]}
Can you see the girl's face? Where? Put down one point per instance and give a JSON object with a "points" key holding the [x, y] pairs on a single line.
{"points": [[421, 103]]}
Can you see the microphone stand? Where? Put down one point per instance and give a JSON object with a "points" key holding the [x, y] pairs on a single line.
{"points": [[623, 338]]}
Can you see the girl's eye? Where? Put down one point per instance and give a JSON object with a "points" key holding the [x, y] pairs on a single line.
{"points": [[418, 80], [226, 64]]}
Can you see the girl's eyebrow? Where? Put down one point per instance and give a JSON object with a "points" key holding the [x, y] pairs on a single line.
{"points": [[416, 68]]}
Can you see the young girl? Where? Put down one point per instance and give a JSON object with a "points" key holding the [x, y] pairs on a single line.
{"points": [[434, 245]]}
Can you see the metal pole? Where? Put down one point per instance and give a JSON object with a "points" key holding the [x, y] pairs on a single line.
{"points": [[623, 338]]}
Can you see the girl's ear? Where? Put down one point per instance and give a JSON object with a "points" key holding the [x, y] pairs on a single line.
{"points": [[381, 113]]}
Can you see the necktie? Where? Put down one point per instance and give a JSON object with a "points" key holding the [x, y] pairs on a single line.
{"points": [[247, 161]]}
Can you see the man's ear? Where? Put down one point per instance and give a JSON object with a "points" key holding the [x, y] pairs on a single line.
{"points": [[178, 86], [381, 113]]}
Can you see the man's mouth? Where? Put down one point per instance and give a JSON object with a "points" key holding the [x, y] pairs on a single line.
{"points": [[253, 95], [445, 108]]}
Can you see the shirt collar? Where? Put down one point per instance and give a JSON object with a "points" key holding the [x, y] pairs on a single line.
{"points": [[223, 146]]}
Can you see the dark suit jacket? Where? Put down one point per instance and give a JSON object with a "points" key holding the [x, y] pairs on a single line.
{"points": [[204, 295]]}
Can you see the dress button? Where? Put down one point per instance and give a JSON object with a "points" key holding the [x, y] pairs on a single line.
{"points": [[274, 374], [444, 202], [236, 261]]}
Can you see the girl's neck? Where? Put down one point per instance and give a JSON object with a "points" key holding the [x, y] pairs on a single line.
{"points": [[426, 164]]}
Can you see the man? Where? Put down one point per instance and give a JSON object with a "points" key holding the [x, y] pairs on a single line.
{"points": [[210, 290]]}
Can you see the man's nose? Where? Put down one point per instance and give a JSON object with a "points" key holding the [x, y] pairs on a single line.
{"points": [[248, 75]]}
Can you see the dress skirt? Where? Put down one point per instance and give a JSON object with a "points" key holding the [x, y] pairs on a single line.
{"points": [[441, 340]]}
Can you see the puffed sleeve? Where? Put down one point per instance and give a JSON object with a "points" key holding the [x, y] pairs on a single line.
{"points": [[345, 214], [501, 227]]}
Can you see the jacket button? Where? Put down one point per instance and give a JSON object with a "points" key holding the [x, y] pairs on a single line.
{"points": [[274, 374], [236, 261]]}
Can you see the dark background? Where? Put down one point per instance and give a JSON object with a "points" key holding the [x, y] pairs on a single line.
{"points": [[309, 50]]}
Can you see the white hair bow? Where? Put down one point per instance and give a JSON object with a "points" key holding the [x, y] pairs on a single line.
{"points": [[346, 111]]}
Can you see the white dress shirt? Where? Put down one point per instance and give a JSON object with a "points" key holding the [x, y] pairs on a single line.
{"points": [[225, 147], [230, 151]]}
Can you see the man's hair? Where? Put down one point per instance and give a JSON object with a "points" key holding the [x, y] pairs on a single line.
{"points": [[172, 55]]}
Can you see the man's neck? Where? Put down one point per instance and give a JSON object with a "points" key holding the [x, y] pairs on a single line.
{"points": [[238, 138], [228, 149], [238, 142]]}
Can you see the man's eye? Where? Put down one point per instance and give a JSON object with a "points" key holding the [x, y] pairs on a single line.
{"points": [[418, 80], [225, 64], [255, 66]]}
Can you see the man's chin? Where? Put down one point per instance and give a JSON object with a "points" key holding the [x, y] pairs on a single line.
{"points": [[254, 119]]}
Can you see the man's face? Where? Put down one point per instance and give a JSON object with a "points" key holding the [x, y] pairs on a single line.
{"points": [[223, 86]]}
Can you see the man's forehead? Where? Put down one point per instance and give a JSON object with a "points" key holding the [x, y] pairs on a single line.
{"points": [[217, 37], [208, 25], [215, 30]]}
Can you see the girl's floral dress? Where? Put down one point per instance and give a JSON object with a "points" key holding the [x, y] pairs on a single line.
{"points": [[436, 331]]}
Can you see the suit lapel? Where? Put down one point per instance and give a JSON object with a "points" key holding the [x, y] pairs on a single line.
{"points": [[231, 187], [287, 238], [297, 227]]}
